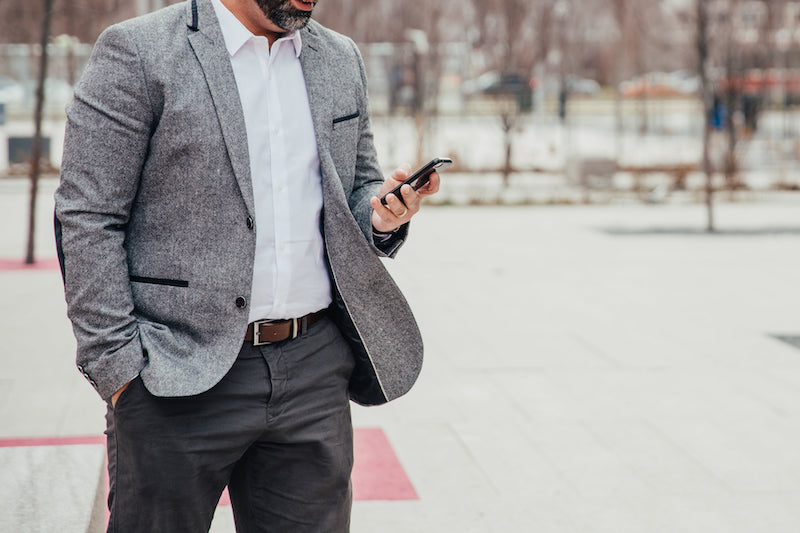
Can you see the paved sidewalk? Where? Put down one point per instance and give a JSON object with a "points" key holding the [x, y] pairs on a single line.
{"points": [[588, 369]]}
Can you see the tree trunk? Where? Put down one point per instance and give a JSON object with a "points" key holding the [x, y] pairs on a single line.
{"points": [[706, 93], [733, 97], [36, 144], [508, 121]]}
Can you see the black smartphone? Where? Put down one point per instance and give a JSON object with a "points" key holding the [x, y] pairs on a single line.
{"points": [[420, 177]]}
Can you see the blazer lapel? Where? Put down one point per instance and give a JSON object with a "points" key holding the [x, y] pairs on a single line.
{"points": [[317, 74], [205, 38]]}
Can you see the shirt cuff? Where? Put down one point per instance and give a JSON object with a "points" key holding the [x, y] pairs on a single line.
{"points": [[389, 242]]}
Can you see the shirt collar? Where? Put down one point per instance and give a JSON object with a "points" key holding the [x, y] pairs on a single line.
{"points": [[236, 34]]}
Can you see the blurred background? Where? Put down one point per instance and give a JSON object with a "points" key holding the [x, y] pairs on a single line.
{"points": [[597, 360], [537, 101]]}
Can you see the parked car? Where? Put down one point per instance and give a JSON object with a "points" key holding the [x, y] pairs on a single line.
{"points": [[19, 99], [660, 84], [10, 91], [582, 86], [57, 92], [495, 83]]}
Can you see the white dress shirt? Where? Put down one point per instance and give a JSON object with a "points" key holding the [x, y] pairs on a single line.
{"points": [[290, 276]]}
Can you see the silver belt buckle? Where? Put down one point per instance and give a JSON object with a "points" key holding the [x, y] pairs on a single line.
{"points": [[257, 331]]}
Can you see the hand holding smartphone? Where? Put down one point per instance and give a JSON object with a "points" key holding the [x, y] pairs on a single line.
{"points": [[420, 178]]}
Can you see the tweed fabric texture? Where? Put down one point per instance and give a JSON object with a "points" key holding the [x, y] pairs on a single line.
{"points": [[156, 198]]}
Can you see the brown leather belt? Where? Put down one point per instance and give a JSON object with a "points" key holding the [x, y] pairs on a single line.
{"points": [[263, 332]]}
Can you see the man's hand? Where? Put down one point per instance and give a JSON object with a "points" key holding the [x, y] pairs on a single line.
{"points": [[117, 394], [387, 218]]}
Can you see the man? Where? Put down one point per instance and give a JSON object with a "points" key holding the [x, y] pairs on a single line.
{"points": [[219, 228]]}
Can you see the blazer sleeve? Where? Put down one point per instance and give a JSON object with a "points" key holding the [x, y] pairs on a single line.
{"points": [[109, 123], [368, 176]]}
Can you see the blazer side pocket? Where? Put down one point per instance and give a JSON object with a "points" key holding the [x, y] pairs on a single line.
{"points": [[160, 281]]}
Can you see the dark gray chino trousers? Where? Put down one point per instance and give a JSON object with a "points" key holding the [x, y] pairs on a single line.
{"points": [[276, 430]]}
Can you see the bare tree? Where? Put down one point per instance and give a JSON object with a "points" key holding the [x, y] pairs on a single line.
{"points": [[36, 148], [703, 59], [620, 10], [84, 19], [639, 39], [506, 34], [742, 46]]}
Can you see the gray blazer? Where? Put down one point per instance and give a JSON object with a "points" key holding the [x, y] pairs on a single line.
{"points": [[155, 217]]}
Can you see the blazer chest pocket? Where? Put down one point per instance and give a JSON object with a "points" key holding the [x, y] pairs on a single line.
{"points": [[344, 145], [345, 118]]}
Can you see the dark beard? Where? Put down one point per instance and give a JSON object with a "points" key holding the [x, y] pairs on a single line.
{"points": [[284, 15]]}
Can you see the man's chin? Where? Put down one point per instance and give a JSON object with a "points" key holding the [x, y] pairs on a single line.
{"points": [[291, 20], [295, 23], [289, 15]]}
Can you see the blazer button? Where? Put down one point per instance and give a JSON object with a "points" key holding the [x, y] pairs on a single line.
{"points": [[241, 302], [250, 223]]}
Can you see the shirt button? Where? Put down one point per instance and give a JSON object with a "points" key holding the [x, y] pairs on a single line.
{"points": [[250, 223], [241, 302]]}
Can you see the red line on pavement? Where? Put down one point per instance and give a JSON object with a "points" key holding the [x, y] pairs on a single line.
{"points": [[52, 441], [47, 263], [377, 473]]}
